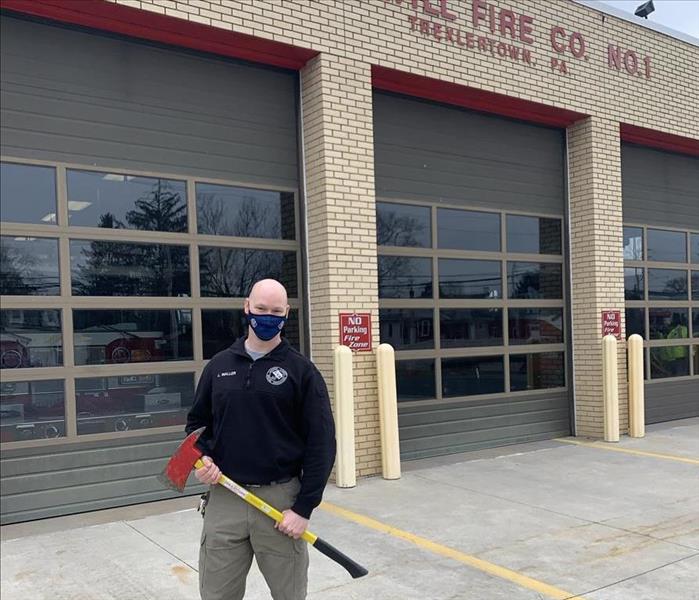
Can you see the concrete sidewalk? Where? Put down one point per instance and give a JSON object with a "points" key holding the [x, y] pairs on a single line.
{"points": [[544, 520]]}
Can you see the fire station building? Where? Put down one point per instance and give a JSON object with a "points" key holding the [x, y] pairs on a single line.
{"points": [[495, 183]]}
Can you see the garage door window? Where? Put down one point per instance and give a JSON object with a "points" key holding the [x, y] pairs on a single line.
{"points": [[119, 285], [494, 324], [662, 298]]}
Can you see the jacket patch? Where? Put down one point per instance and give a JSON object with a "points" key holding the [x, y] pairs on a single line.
{"points": [[227, 374], [277, 376]]}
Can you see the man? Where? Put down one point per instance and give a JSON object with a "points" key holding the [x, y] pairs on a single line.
{"points": [[269, 427]]}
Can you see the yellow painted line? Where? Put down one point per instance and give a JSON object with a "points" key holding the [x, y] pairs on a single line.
{"points": [[607, 446], [477, 563]]}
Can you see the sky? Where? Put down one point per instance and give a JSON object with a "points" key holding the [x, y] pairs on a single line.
{"points": [[681, 15]]}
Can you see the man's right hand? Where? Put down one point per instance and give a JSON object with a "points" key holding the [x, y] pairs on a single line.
{"points": [[209, 473]]}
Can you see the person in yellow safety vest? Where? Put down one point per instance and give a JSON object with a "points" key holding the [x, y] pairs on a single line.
{"points": [[674, 356]]}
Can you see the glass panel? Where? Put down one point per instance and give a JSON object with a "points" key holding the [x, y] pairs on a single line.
{"points": [[668, 323], [669, 361], [31, 410], [29, 266], [245, 212], [27, 194], [221, 328], [667, 284], [403, 225], [102, 268], [534, 280], [127, 402], [470, 376], [694, 240], [468, 230], [467, 327], [114, 201], [633, 284], [469, 278], [537, 371], [633, 243], [695, 351], [415, 380], [533, 235], [695, 325], [636, 322], [30, 338], [535, 325], [131, 336], [403, 277], [407, 329], [695, 285], [667, 246], [231, 272]]}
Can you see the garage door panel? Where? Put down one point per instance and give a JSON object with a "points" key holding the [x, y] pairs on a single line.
{"points": [[667, 401]]}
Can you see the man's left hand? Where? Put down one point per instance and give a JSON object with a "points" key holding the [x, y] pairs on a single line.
{"points": [[292, 524]]}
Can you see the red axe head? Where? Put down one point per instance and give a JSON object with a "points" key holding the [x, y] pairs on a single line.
{"points": [[175, 473]]}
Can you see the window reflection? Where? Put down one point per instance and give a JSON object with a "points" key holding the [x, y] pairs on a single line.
{"points": [[695, 285], [667, 246], [27, 194], [245, 212], [533, 235], [636, 322], [471, 376], [220, 328], [534, 280], [403, 225], [469, 278], [633, 284], [669, 361], [30, 338], [105, 268], [536, 325], [403, 277], [694, 238], [668, 323], [407, 329], [467, 327], [127, 402], [468, 230], [131, 336], [29, 266], [537, 371], [114, 201], [231, 272], [633, 243], [667, 284], [31, 410], [415, 380], [695, 326]]}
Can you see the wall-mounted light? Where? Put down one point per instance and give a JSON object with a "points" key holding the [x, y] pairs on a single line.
{"points": [[645, 9]]}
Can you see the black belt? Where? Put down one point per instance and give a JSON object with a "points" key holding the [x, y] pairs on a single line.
{"points": [[259, 485]]}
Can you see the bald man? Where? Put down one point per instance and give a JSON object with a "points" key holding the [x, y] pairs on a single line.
{"points": [[269, 427]]}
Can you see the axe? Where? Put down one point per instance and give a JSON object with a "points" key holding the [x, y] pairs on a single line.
{"points": [[175, 474]]}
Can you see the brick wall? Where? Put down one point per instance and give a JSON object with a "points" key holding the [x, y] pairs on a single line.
{"points": [[351, 35]]}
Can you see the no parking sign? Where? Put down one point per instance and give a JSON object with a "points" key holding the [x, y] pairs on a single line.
{"points": [[355, 331]]}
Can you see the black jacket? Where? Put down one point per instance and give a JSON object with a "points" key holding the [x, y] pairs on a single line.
{"points": [[266, 420]]}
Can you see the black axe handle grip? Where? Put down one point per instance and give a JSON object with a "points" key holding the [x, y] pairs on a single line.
{"points": [[354, 569]]}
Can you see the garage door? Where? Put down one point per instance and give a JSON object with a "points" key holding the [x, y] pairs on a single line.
{"points": [[470, 217], [143, 190], [661, 274]]}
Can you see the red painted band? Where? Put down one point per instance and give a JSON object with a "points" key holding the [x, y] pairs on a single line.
{"points": [[659, 140], [144, 24]]}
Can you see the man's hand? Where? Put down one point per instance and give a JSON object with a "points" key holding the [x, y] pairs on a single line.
{"points": [[209, 473], [292, 524]]}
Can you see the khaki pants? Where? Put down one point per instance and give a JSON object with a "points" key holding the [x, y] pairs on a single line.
{"points": [[234, 531]]}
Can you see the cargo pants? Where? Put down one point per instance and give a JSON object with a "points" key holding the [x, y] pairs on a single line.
{"points": [[234, 531]]}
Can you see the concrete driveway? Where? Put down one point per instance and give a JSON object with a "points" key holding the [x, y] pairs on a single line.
{"points": [[557, 519]]}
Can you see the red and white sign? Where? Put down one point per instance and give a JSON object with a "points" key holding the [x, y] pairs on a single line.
{"points": [[611, 323], [355, 331]]}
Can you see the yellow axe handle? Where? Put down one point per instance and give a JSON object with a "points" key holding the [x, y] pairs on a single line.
{"points": [[258, 503]]}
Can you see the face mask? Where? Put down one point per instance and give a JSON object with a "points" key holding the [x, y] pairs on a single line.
{"points": [[266, 326]]}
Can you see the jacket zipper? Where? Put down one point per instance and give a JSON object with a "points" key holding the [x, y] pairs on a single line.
{"points": [[247, 380]]}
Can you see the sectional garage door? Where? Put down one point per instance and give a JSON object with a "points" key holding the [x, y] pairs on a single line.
{"points": [[661, 258], [105, 332], [472, 275]]}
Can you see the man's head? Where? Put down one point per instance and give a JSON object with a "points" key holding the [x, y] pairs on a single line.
{"points": [[266, 309]]}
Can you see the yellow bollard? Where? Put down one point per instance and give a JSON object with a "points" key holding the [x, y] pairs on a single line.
{"points": [[388, 411], [637, 417], [610, 387], [345, 474]]}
